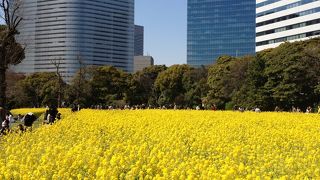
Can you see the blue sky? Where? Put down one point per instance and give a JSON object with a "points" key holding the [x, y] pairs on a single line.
{"points": [[165, 29]]}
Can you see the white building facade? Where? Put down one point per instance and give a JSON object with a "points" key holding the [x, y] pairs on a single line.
{"points": [[279, 21], [97, 32]]}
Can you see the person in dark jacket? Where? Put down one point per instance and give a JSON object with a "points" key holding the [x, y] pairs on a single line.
{"points": [[2, 114], [52, 114], [29, 119]]}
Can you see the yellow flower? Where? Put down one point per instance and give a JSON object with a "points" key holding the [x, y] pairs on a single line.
{"points": [[164, 144]]}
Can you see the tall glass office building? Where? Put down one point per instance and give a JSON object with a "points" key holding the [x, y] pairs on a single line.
{"points": [[97, 32], [279, 21], [138, 40], [220, 27]]}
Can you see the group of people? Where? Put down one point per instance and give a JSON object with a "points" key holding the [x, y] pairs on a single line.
{"points": [[142, 106], [298, 110], [242, 109], [5, 125], [26, 121], [75, 108]]}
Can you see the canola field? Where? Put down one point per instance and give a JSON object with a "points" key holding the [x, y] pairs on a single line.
{"points": [[166, 144]]}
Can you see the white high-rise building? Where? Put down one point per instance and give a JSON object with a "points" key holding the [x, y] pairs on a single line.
{"points": [[278, 21], [97, 32]]}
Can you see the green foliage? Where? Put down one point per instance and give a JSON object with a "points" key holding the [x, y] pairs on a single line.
{"points": [[169, 85], [292, 74], [285, 76], [11, 52], [141, 85], [252, 93], [79, 91], [38, 89], [107, 84], [11, 80], [98, 85], [229, 105], [225, 78], [181, 85], [195, 84]]}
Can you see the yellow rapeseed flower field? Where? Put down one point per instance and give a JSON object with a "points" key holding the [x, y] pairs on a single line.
{"points": [[26, 110], [166, 144]]}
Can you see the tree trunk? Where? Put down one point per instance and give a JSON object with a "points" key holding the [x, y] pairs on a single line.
{"points": [[2, 93], [2, 86], [59, 94], [59, 89]]}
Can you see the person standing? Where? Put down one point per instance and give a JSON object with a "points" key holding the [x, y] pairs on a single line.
{"points": [[5, 126], [52, 114], [10, 118], [46, 113], [257, 110]]}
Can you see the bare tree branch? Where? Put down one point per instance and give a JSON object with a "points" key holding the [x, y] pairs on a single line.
{"points": [[57, 62]]}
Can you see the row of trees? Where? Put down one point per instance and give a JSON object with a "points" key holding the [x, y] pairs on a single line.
{"points": [[285, 76]]}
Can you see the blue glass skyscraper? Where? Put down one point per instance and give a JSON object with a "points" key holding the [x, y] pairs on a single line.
{"points": [[220, 27]]}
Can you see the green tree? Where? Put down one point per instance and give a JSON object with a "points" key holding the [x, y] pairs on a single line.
{"points": [[141, 86], [169, 87], [38, 89], [312, 56], [251, 93], [108, 84], [79, 91], [292, 75], [105, 85], [225, 78], [12, 89], [196, 87], [181, 85]]}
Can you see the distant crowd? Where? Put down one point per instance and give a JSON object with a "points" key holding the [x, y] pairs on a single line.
{"points": [[25, 122], [309, 109]]}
